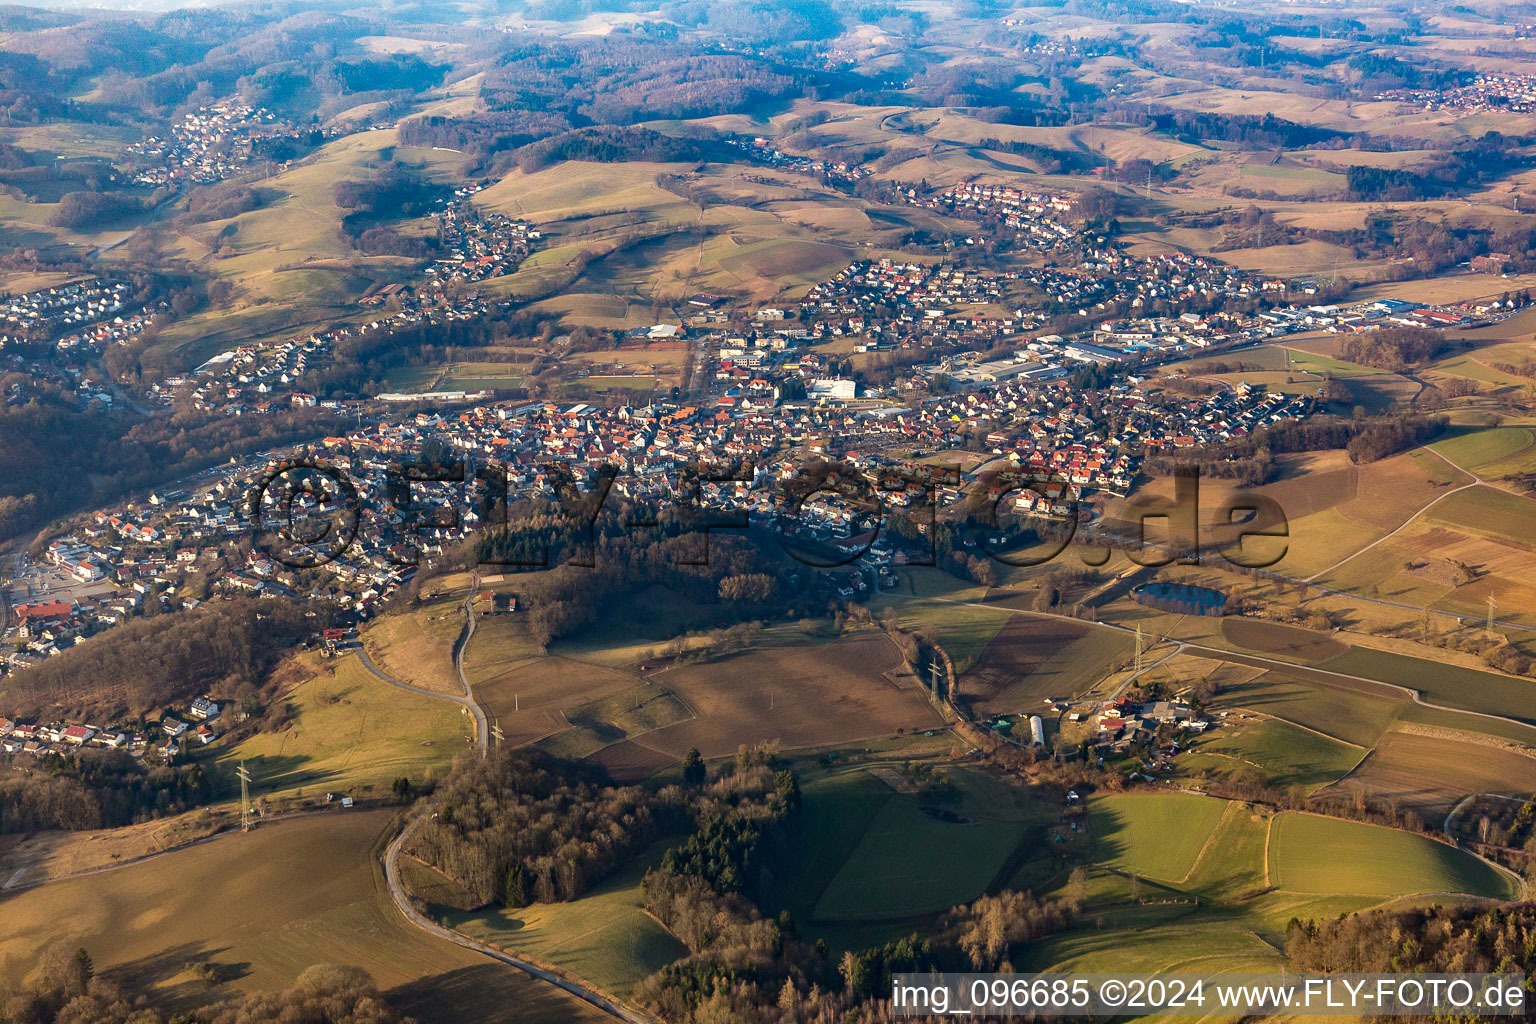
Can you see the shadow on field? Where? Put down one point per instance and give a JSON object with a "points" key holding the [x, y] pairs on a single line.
{"points": [[199, 966], [487, 994], [271, 772], [1108, 841]]}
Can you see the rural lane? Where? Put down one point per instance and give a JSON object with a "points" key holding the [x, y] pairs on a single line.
{"points": [[415, 917], [482, 731], [482, 738]]}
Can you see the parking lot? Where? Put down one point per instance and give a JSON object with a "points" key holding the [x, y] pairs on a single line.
{"points": [[31, 582]]}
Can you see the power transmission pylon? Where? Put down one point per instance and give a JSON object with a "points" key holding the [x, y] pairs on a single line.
{"points": [[496, 733], [1490, 613], [245, 797], [1140, 651]]}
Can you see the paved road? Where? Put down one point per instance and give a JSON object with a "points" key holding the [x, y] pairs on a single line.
{"points": [[482, 731], [1468, 799], [154, 215], [1321, 675], [481, 736], [397, 891], [1522, 887]]}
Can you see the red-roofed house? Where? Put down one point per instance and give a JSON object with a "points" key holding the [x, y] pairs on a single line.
{"points": [[79, 735], [43, 611]]}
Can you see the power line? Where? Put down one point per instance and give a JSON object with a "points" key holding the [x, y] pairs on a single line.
{"points": [[245, 797]]}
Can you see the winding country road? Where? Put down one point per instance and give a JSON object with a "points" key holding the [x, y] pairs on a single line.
{"points": [[482, 731], [397, 890], [482, 738], [1446, 827], [392, 854]]}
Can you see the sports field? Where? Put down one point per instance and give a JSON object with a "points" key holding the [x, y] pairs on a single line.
{"points": [[457, 376], [1312, 854]]}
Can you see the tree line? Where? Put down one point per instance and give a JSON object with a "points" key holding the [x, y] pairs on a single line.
{"points": [[1250, 460], [747, 967], [616, 144], [1394, 348], [727, 577], [1472, 938], [98, 789], [67, 990], [622, 79]]}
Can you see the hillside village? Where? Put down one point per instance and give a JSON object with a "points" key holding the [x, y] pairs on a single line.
{"points": [[194, 726], [1489, 92], [214, 143]]}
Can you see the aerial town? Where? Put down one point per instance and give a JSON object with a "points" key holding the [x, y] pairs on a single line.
{"points": [[743, 512]]}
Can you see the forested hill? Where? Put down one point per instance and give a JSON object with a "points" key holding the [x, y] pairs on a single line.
{"points": [[223, 646]]}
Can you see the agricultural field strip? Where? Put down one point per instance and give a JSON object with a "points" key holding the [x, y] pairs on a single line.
{"points": [[1230, 809], [1518, 882], [1269, 833], [1315, 732], [11, 889]]}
